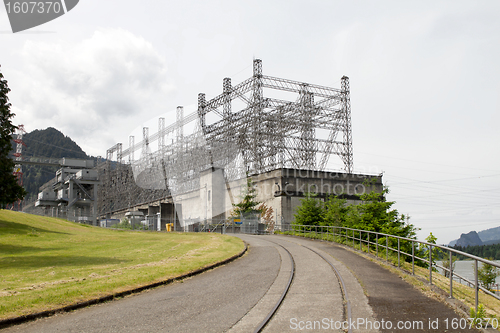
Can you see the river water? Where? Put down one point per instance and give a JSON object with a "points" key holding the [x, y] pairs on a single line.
{"points": [[465, 268]]}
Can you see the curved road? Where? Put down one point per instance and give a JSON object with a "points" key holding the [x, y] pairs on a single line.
{"points": [[238, 296]]}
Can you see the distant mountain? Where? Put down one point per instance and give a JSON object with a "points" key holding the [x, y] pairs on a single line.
{"points": [[488, 236], [45, 143], [469, 239]]}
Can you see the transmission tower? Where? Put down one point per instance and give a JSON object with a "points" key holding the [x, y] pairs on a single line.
{"points": [[18, 169]]}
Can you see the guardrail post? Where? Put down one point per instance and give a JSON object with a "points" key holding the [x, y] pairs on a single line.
{"points": [[412, 258], [451, 275], [386, 248], [376, 243], [430, 264], [360, 242], [399, 265], [353, 246], [477, 285]]}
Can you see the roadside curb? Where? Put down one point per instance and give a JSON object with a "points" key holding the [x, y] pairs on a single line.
{"points": [[33, 316]]}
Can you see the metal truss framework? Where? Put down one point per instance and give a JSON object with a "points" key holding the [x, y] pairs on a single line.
{"points": [[18, 169], [264, 133]]}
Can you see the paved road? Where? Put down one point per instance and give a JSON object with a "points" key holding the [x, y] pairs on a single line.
{"points": [[211, 302], [236, 297], [392, 300]]}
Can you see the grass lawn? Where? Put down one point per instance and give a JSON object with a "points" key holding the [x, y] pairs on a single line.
{"points": [[46, 263]]}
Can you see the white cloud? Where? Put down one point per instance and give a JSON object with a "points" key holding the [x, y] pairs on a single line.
{"points": [[91, 89]]}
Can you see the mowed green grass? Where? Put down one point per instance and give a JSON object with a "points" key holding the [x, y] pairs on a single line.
{"points": [[46, 263]]}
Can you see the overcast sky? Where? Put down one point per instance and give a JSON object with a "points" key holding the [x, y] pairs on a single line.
{"points": [[425, 82]]}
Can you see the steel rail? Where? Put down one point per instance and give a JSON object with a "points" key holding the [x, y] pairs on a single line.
{"points": [[342, 284], [343, 232], [283, 295], [347, 308]]}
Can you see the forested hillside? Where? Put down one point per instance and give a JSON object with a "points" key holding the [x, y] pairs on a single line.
{"points": [[45, 143], [483, 251]]}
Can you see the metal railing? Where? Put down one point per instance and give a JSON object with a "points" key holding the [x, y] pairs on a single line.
{"points": [[376, 239]]}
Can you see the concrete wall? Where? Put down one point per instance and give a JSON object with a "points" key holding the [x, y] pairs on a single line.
{"points": [[281, 189], [292, 185]]}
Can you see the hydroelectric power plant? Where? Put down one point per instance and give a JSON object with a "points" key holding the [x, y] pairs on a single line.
{"points": [[287, 136]]}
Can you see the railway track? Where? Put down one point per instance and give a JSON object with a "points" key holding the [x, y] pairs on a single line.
{"points": [[302, 262]]}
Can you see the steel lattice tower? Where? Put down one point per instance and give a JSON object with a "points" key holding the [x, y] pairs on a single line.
{"points": [[18, 169], [268, 132]]}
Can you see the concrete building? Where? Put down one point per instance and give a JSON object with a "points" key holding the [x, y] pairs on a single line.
{"points": [[73, 195], [280, 189]]}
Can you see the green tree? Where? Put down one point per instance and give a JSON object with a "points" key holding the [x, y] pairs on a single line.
{"points": [[377, 214], [487, 275], [248, 202], [446, 264], [336, 212], [10, 191], [310, 211], [424, 251], [373, 213]]}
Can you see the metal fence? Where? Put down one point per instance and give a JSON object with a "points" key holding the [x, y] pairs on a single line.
{"points": [[155, 223], [245, 226], [375, 240]]}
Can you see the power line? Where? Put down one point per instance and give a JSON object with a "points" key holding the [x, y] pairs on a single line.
{"points": [[415, 161], [464, 225]]}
